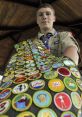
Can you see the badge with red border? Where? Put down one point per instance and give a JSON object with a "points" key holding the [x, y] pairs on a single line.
{"points": [[20, 80], [22, 102], [26, 114], [62, 101], [63, 71], [5, 94], [5, 106]]}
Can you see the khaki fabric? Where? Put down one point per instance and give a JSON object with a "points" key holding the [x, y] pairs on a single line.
{"points": [[65, 40]]}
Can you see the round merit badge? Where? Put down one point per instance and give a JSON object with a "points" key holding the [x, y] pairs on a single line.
{"points": [[26, 114], [42, 98], [62, 101], [23, 87], [22, 102], [57, 65], [76, 99], [63, 71], [75, 72], [70, 84], [79, 114], [68, 114], [37, 84], [47, 112], [4, 116], [79, 83], [20, 80], [5, 85], [4, 106], [50, 75], [56, 85], [68, 62], [5, 94]]}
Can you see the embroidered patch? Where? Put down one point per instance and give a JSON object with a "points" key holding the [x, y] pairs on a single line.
{"points": [[22, 102], [42, 98]]}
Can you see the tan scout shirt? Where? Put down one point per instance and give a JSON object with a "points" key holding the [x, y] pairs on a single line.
{"points": [[65, 40]]}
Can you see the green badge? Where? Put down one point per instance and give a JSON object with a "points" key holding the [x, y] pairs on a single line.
{"points": [[50, 75], [76, 99], [26, 114], [70, 84], [22, 102], [46, 112], [68, 114]]}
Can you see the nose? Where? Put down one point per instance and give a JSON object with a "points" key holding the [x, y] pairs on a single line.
{"points": [[44, 16]]}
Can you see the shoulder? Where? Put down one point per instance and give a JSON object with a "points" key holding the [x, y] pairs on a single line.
{"points": [[65, 34]]}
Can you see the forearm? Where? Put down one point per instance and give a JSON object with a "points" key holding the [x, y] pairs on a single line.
{"points": [[72, 53]]}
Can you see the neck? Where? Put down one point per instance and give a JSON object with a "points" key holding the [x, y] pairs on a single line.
{"points": [[45, 31]]}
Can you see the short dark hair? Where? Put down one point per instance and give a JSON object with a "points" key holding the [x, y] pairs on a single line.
{"points": [[46, 5]]}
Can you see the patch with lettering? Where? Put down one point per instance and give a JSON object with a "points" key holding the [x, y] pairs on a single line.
{"points": [[37, 84]]}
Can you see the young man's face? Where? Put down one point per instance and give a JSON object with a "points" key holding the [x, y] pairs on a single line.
{"points": [[45, 18]]}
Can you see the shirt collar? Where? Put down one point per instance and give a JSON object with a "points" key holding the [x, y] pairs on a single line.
{"points": [[41, 34]]}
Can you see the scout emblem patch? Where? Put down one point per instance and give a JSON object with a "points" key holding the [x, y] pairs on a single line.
{"points": [[37, 84], [50, 75], [63, 71], [26, 114], [42, 98], [34, 77], [21, 88], [76, 99], [20, 80], [79, 83], [68, 63], [70, 84], [5, 85], [4, 106], [68, 114], [4, 116], [56, 85], [57, 65], [62, 101], [75, 72], [46, 112], [5, 94], [79, 114], [22, 102]]}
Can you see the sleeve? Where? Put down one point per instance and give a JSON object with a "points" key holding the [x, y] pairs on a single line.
{"points": [[68, 40]]}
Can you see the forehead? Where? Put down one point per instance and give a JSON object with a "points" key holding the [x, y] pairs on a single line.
{"points": [[43, 10]]}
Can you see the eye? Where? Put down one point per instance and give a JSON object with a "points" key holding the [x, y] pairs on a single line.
{"points": [[40, 14], [48, 13]]}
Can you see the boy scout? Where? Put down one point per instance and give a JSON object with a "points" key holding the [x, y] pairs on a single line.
{"points": [[60, 43]]}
